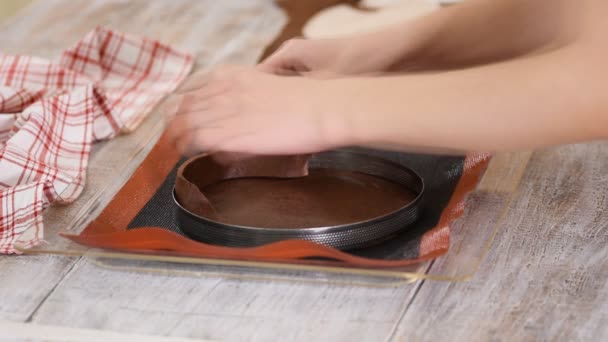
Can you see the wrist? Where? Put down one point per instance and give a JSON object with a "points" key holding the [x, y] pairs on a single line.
{"points": [[402, 47], [347, 108], [373, 52], [331, 104]]}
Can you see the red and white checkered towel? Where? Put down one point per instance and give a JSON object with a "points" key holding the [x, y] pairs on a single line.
{"points": [[52, 112]]}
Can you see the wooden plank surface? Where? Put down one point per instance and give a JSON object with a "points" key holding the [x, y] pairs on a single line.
{"points": [[227, 32], [224, 309], [26, 332], [546, 278], [26, 281]]}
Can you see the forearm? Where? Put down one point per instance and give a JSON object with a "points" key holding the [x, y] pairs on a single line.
{"points": [[473, 32], [555, 98]]}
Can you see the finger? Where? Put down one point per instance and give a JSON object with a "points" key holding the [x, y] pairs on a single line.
{"points": [[267, 67], [228, 158], [286, 61], [197, 141], [242, 144], [193, 102], [169, 109], [181, 125], [285, 68], [213, 139], [183, 142], [274, 61], [323, 75], [201, 99], [184, 128], [203, 119], [195, 99], [287, 72], [194, 81], [174, 132]]}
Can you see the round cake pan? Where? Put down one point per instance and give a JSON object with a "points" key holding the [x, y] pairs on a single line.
{"points": [[343, 236]]}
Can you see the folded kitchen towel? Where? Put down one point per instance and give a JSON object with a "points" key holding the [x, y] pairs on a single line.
{"points": [[51, 112]]}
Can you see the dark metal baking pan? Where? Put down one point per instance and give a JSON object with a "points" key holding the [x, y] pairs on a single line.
{"points": [[345, 236]]}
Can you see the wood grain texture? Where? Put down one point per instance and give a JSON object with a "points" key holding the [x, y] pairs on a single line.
{"points": [[28, 332], [216, 32], [472, 235], [546, 278], [217, 308], [25, 282]]}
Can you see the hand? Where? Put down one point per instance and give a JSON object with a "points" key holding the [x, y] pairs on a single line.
{"points": [[327, 58], [240, 109]]}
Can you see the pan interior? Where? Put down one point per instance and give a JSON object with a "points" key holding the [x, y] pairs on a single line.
{"points": [[326, 197]]}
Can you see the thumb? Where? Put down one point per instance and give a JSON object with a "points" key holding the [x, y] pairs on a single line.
{"points": [[287, 60], [277, 70], [277, 64]]}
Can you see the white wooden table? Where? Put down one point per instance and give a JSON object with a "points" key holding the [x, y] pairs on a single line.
{"points": [[545, 278]]}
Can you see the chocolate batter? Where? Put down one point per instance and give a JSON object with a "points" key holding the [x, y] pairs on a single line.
{"points": [[323, 198], [280, 192]]}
